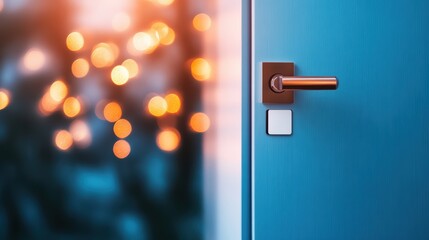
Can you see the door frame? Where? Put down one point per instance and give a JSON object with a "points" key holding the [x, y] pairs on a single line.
{"points": [[247, 215]]}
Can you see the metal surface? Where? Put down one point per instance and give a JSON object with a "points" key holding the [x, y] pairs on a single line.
{"points": [[278, 83], [269, 69]]}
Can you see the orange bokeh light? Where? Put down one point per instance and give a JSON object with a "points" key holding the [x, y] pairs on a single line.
{"points": [[81, 133], [4, 98], [161, 29], [169, 38], [201, 69], [122, 128], [202, 22], [119, 75], [121, 149], [34, 59], [199, 122], [112, 112], [146, 42], [157, 106], [63, 140], [168, 140], [173, 103], [132, 67], [75, 41], [80, 68], [104, 55], [72, 107], [58, 91], [47, 105]]}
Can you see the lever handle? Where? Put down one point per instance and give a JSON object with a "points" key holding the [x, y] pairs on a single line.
{"points": [[280, 83]]}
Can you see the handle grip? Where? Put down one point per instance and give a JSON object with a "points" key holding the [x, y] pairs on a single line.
{"points": [[280, 83]]}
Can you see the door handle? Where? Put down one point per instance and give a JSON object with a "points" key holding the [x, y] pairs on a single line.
{"points": [[279, 82]]}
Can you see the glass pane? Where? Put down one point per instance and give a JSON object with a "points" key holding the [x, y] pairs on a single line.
{"points": [[102, 119]]}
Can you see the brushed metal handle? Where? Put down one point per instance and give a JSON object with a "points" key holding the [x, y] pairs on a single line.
{"points": [[280, 83]]}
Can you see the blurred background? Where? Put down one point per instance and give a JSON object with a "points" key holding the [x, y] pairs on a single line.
{"points": [[107, 112], [120, 119]]}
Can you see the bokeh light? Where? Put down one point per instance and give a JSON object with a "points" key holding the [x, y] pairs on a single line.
{"points": [[168, 139], [121, 22], [119, 75], [63, 140], [81, 133], [145, 42], [58, 91], [199, 122], [173, 103], [75, 41], [72, 107], [1, 5], [122, 128], [169, 38], [161, 29], [47, 104], [80, 68], [157, 106], [132, 67], [4, 98], [104, 55], [112, 112], [34, 59], [201, 69], [202, 22], [121, 149], [163, 2]]}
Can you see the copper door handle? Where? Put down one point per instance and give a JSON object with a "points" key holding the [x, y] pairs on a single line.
{"points": [[280, 83]]}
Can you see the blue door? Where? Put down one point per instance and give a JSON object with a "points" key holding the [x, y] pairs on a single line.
{"points": [[357, 163]]}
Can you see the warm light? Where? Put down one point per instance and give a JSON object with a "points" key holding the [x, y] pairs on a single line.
{"points": [[112, 112], [168, 140], [104, 55], [72, 107], [47, 105], [58, 91], [75, 41], [201, 69], [121, 22], [119, 75], [161, 29], [202, 22], [63, 140], [121, 149], [81, 133], [145, 42], [169, 38], [132, 67], [157, 106], [4, 98], [80, 68], [34, 59], [122, 128], [1, 5], [199, 122], [173, 103], [165, 2]]}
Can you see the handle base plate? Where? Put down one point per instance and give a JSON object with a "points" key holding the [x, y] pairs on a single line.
{"points": [[270, 69]]}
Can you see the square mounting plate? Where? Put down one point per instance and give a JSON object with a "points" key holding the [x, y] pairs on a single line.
{"points": [[269, 69]]}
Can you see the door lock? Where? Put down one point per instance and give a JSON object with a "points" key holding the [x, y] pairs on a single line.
{"points": [[279, 82]]}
